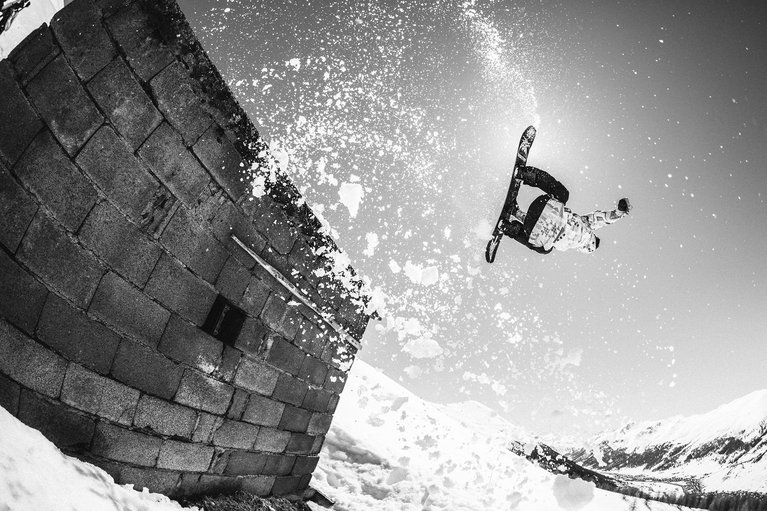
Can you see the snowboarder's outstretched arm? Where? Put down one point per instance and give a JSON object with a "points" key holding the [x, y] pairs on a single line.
{"points": [[599, 218]]}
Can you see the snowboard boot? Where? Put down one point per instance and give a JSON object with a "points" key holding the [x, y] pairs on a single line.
{"points": [[512, 229]]}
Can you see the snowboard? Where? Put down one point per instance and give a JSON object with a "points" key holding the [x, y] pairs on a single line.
{"points": [[510, 204]]}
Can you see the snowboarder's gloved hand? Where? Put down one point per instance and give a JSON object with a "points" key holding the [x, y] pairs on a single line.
{"points": [[624, 205]]}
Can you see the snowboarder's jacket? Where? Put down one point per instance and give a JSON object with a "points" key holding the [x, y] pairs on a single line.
{"points": [[550, 224]]}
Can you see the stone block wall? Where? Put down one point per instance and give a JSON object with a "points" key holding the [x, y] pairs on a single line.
{"points": [[125, 169]]}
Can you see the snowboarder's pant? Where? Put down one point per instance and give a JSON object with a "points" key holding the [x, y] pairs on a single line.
{"points": [[533, 176]]}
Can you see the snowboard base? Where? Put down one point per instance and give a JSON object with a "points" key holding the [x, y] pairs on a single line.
{"points": [[510, 204]]}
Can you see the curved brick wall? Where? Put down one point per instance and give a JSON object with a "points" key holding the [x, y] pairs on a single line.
{"points": [[121, 182]]}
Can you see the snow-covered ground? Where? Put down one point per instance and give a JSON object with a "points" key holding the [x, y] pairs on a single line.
{"points": [[37, 476], [390, 450], [387, 450]]}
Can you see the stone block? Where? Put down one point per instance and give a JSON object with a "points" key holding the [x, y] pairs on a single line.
{"points": [[72, 121], [187, 344], [291, 322], [335, 380], [305, 465], [119, 444], [209, 484], [287, 485], [206, 425], [332, 403], [230, 361], [125, 103], [144, 368], [81, 35], [164, 418], [317, 400], [220, 460], [203, 393], [109, 7], [235, 434], [256, 376], [272, 440], [317, 447], [176, 455], [170, 160], [193, 245], [278, 464], [276, 227], [20, 122], [232, 280], [245, 463], [258, 485], [285, 356], [34, 53], [255, 296], [310, 338], [253, 338], [223, 161], [338, 353], [9, 395], [125, 181], [156, 481], [128, 310], [178, 289], [273, 311], [290, 390], [319, 424], [137, 36], [295, 419], [92, 393], [21, 296], [76, 336], [29, 363], [313, 371], [60, 187], [120, 243], [227, 221], [17, 209], [263, 411], [177, 97], [300, 443], [237, 407], [69, 430]]}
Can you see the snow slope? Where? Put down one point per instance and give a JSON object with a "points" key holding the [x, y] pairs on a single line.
{"points": [[390, 450], [725, 449], [36, 476]]}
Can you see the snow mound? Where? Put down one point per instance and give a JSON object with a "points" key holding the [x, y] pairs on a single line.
{"points": [[35, 475], [390, 450]]}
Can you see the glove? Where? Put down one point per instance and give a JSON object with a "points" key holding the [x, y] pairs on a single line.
{"points": [[624, 205]]}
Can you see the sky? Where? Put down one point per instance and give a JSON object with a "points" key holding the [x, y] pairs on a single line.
{"points": [[399, 122]]}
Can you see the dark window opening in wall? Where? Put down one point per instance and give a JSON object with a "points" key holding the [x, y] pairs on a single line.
{"points": [[224, 321]]}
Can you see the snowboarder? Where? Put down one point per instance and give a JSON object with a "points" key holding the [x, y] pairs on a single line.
{"points": [[548, 224]]}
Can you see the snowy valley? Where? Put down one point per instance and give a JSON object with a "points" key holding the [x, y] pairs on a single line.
{"points": [[722, 450]]}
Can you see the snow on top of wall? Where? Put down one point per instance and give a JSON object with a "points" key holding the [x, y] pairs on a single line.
{"points": [[27, 20]]}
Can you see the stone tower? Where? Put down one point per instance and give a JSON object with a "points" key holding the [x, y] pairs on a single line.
{"points": [[160, 317]]}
